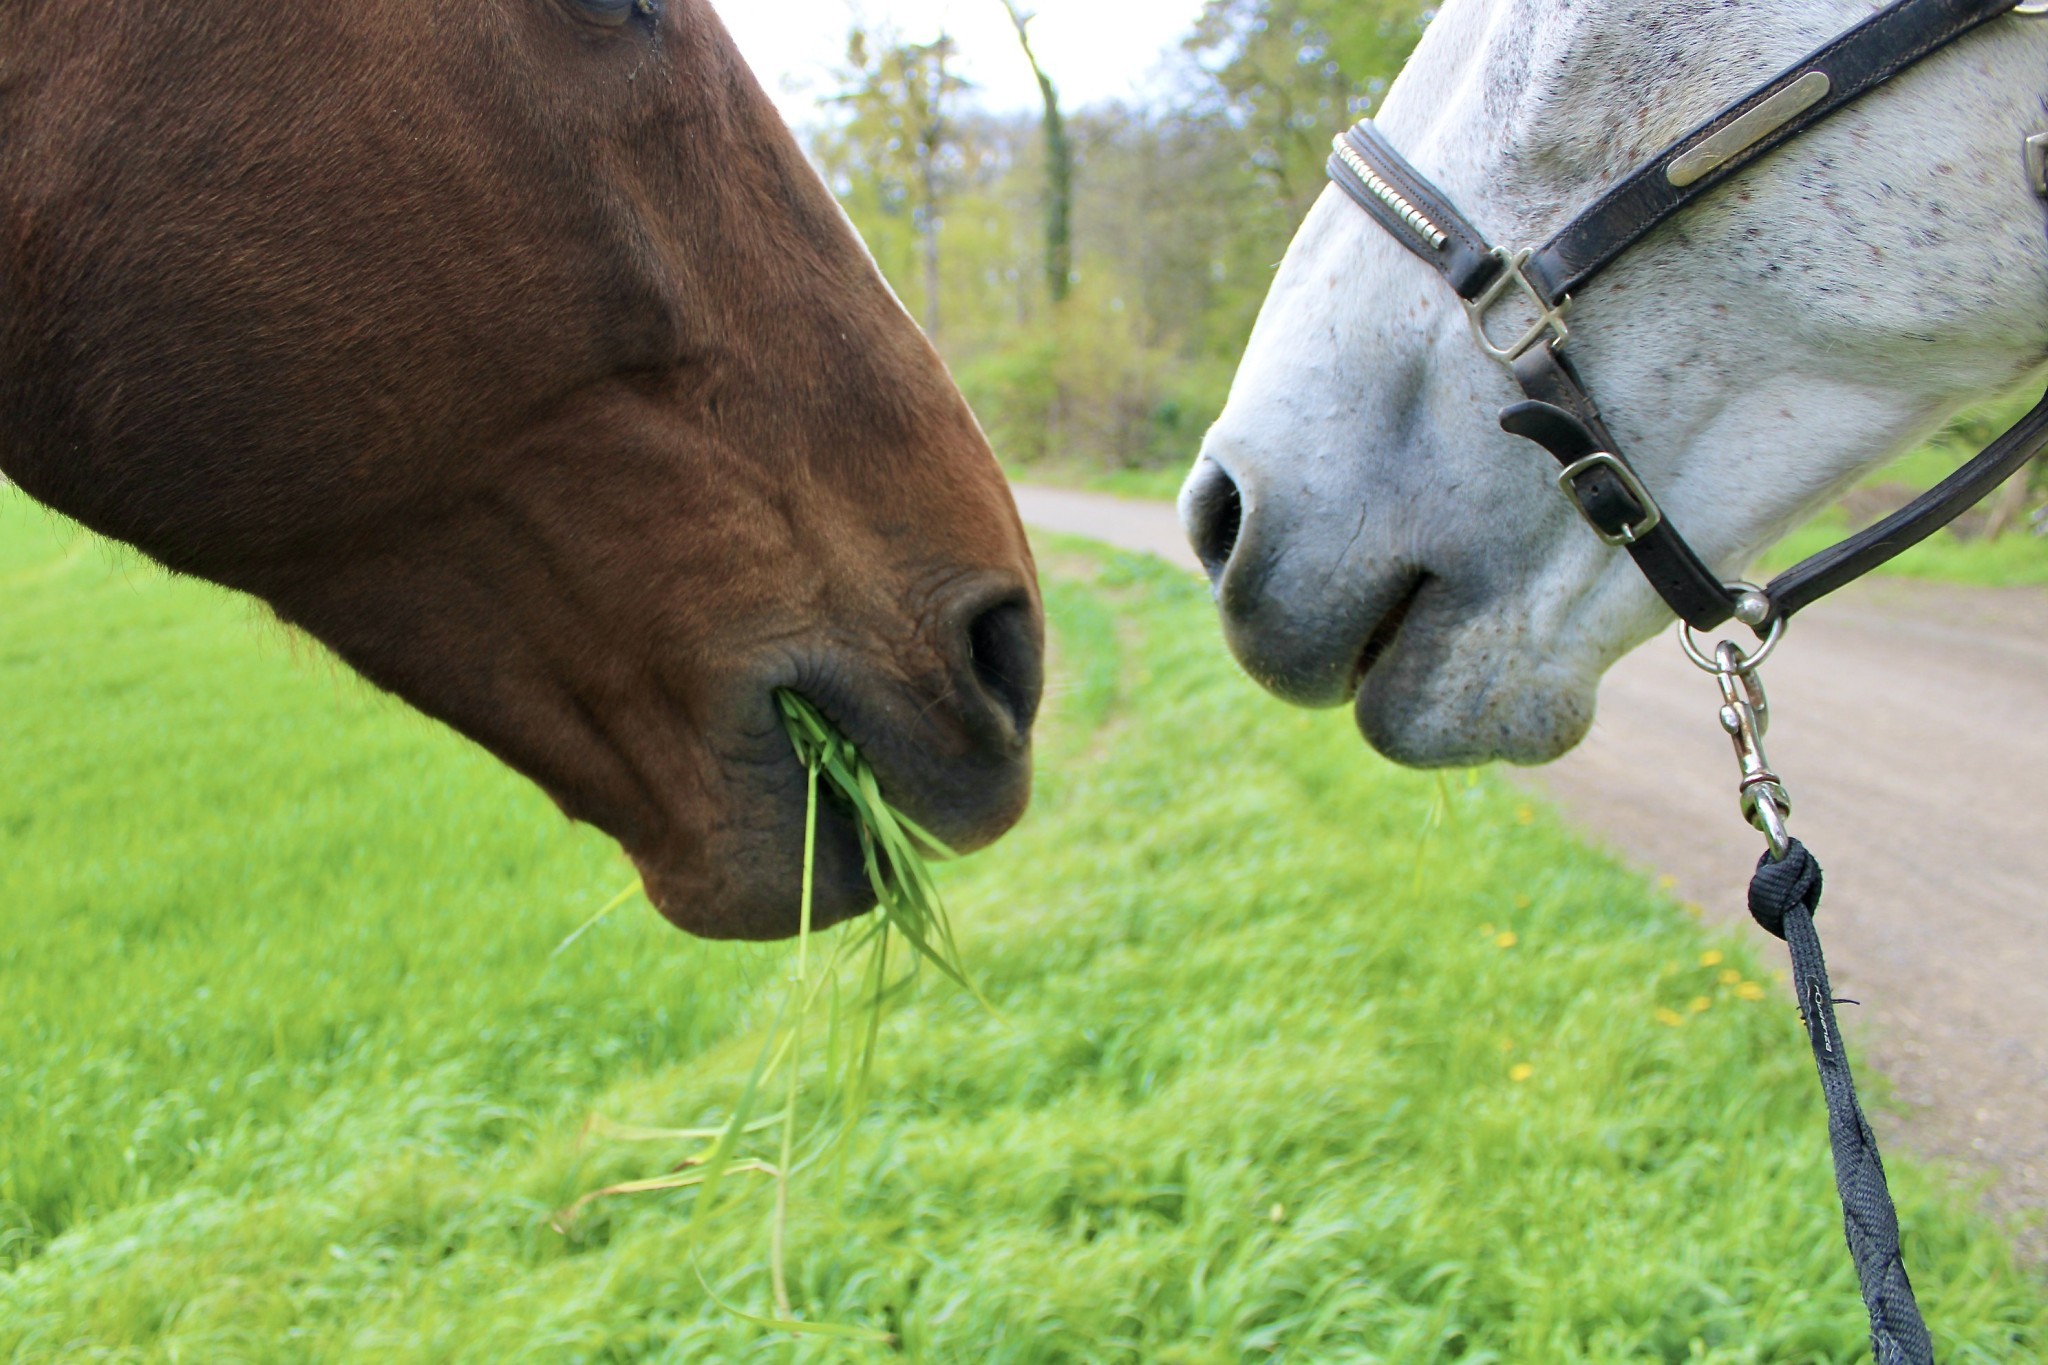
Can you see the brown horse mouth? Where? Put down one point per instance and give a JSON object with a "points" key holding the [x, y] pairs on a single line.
{"points": [[746, 881]]}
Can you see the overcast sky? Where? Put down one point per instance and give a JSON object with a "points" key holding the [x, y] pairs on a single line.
{"points": [[1094, 49]]}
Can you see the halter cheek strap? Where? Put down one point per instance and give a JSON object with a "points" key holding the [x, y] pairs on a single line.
{"points": [[1562, 416]]}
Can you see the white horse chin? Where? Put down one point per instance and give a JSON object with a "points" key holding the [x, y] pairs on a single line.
{"points": [[1471, 692]]}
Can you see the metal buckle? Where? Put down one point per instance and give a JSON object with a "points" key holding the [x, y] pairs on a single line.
{"points": [[1549, 322], [2037, 161], [1653, 515]]}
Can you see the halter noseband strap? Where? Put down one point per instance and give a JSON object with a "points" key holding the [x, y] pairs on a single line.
{"points": [[1562, 417]]}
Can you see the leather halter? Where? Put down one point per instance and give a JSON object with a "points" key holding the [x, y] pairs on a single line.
{"points": [[1562, 417]]}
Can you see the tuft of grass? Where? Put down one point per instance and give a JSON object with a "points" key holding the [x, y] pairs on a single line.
{"points": [[897, 853], [896, 850]]}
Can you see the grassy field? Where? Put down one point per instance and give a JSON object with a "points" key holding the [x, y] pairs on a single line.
{"points": [[1298, 1057]]}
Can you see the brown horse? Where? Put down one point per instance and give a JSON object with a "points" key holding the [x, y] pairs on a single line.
{"points": [[511, 348]]}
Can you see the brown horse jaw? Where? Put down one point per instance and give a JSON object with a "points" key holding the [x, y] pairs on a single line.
{"points": [[676, 749]]}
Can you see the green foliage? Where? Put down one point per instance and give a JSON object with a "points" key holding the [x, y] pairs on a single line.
{"points": [[1087, 378], [1178, 213], [1059, 168], [1292, 73], [890, 151], [288, 1069]]}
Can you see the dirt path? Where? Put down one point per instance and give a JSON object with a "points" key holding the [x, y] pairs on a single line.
{"points": [[1912, 727]]}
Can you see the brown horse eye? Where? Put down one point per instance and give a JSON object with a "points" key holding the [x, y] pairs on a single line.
{"points": [[614, 12]]}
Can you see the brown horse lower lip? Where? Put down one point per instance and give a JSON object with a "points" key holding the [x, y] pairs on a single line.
{"points": [[1384, 634]]}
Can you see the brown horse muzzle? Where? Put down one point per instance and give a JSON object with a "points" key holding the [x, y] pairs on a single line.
{"points": [[950, 748]]}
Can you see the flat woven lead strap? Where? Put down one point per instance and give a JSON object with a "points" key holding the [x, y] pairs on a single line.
{"points": [[1784, 898]]}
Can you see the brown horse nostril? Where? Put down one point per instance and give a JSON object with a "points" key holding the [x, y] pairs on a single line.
{"points": [[1212, 510], [1003, 649]]}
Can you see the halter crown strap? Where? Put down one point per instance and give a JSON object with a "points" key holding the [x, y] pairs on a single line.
{"points": [[1562, 416]]}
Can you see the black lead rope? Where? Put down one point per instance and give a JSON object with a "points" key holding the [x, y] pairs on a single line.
{"points": [[1784, 898]]}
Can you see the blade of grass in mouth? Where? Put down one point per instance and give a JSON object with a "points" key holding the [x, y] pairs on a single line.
{"points": [[897, 853]]}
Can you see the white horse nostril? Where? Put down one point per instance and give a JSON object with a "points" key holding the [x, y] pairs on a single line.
{"points": [[1212, 511]]}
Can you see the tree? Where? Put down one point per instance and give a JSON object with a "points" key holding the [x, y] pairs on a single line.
{"points": [[894, 147], [1292, 73], [1101, 268], [1059, 170]]}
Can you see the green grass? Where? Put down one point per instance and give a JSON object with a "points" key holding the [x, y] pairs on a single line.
{"points": [[287, 1071], [2016, 559]]}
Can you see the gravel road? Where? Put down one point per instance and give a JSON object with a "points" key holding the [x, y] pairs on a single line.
{"points": [[1911, 723]]}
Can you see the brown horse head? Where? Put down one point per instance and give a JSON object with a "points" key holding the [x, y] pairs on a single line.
{"points": [[513, 350]]}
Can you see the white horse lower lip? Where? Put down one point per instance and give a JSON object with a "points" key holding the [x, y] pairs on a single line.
{"points": [[1383, 635]]}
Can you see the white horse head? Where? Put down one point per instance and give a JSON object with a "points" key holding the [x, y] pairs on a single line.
{"points": [[1371, 532]]}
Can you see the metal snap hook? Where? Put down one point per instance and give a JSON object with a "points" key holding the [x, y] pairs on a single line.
{"points": [[1746, 717]]}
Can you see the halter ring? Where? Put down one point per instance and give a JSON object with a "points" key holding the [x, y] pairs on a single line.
{"points": [[1745, 663]]}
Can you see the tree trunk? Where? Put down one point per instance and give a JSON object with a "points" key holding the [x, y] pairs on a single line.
{"points": [[928, 239], [931, 140], [1059, 171]]}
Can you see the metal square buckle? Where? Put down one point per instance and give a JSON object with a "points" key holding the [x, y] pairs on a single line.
{"points": [[1653, 515], [1550, 321]]}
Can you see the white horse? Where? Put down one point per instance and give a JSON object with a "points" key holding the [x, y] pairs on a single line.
{"points": [[1371, 532]]}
